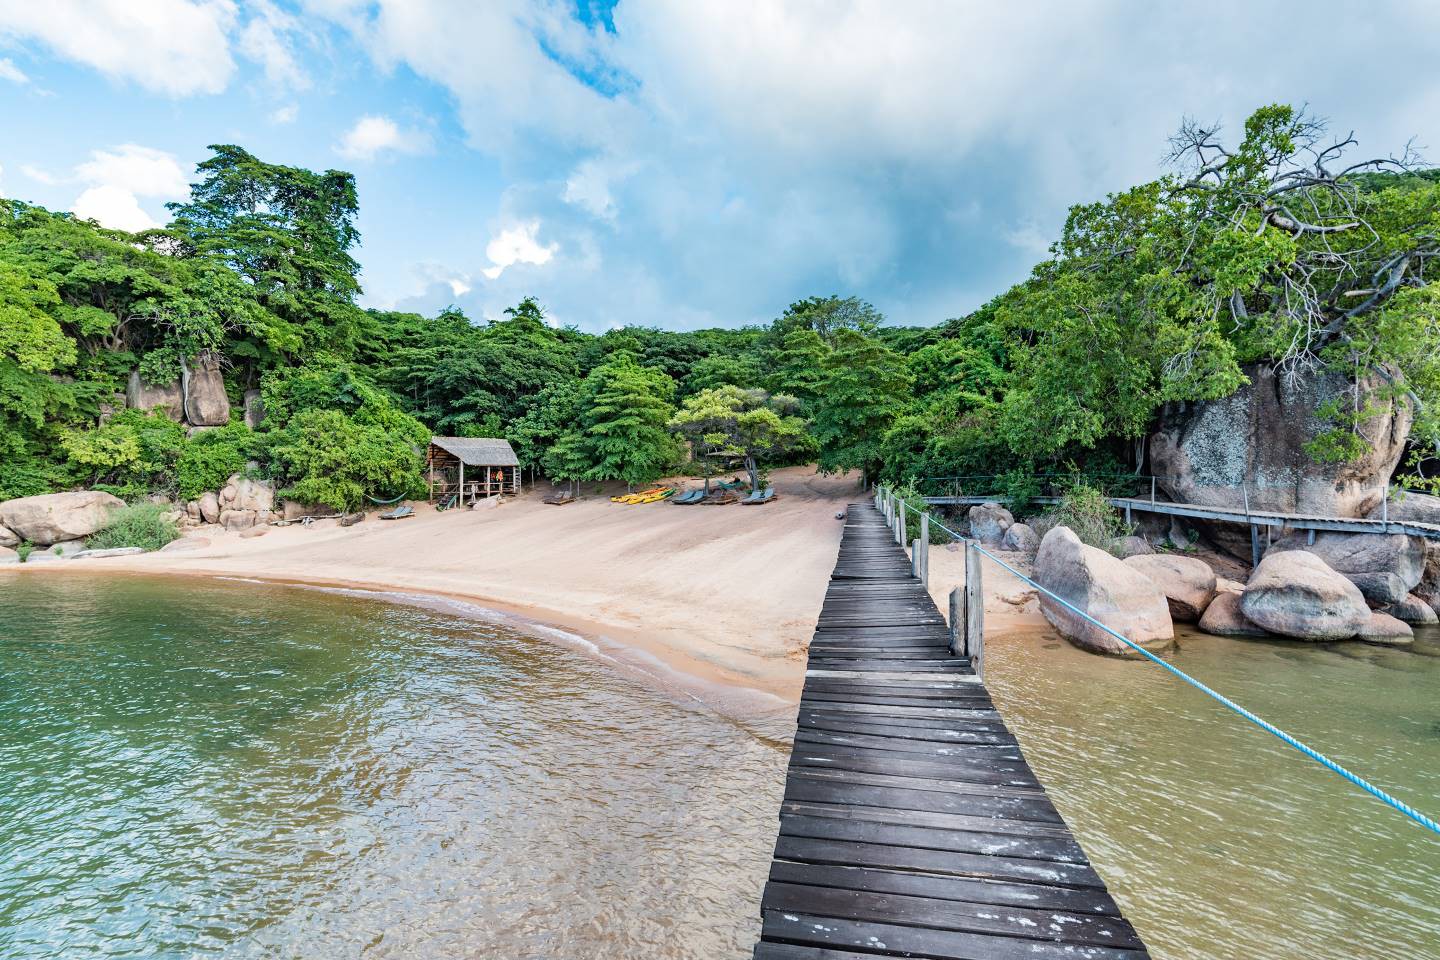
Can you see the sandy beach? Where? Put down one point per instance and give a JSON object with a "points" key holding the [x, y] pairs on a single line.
{"points": [[719, 600]]}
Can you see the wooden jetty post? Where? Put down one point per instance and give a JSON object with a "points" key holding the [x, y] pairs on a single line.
{"points": [[900, 522], [911, 824], [974, 610]]}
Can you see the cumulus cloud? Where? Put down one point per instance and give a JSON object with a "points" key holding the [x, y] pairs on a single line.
{"points": [[172, 47], [514, 245], [372, 136], [268, 39], [10, 72], [922, 155], [286, 114], [39, 175], [117, 178]]}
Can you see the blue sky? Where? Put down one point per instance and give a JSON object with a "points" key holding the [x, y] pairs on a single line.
{"points": [[682, 164]]}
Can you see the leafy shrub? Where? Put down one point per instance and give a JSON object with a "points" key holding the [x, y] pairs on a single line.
{"points": [[211, 457], [325, 456], [24, 550], [1085, 510], [915, 500], [138, 525], [28, 478], [134, 452]]}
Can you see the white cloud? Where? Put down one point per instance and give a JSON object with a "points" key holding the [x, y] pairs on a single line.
{"points": [[374, 135], [173, 47], [286, 114], [113, 207], [514, 245], [38, 175], [267, 40], [8, 71], [118, 177], [588, 186]]}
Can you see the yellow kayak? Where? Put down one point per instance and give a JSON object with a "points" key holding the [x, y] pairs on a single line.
{"points": [[637, 497]]}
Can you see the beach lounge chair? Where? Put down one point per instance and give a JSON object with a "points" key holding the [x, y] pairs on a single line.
{"points": [[563, 496], [760, 496], [689, 496], [399, 513]]}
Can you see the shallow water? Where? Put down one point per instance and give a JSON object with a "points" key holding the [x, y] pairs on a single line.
{"points": [[1219, 840], [240, 770]]}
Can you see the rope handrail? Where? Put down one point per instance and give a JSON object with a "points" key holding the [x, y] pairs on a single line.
{"points": [[1259, 721]]}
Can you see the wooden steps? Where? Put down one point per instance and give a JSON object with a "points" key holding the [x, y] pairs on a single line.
{"points": [[911, 824]]}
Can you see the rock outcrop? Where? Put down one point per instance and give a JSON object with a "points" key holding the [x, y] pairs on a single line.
{"points": [[244, 502], [209, 506], [1412, 609], [1106, 589], [1386, 567], [1204, 452], [206, 404], [9, 538], [140, 395], [254, 409], [989, 521], [1294, 593], [58, 517], [1188, 584], [1021, 538], [1224, 618]]}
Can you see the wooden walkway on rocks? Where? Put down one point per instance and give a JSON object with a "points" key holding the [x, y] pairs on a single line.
{"points": [[911, 824]]}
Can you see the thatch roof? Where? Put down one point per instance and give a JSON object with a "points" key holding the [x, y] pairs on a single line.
{"points": [[478, 451]]}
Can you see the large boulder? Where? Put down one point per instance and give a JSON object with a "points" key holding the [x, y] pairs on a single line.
{"points": [[209, 507], [1204, 453], [239, 519], [1224, 618], [1188, 584], [1412, 609], [1133, 546], [989, 521], [294, 510], [1385, 567], [1429, 588], [9, 538], [1106, 589], [1021, 537], [1295, 594], [140, 395], [254, 409], [246, 493], [57, 517], [206, 404], [1385, 629]]}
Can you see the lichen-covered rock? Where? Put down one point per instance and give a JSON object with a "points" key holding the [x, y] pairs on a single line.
{"points": [[989, 521], [1412, 609], [1385, 629], [1106, 589], [57, 517], [1295, 594], [1188, 584], [1204, 453], [8, 537], [140, 395], [1224, 618], [1021, 538], [206, 404], [1133, 546], [254, 409]]}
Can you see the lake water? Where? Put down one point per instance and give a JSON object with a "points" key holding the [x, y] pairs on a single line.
{"points": [[205, 768]]}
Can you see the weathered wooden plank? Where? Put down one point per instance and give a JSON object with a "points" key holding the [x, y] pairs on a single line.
{"points": [[990, 806], [1019, 846], [898, 940], [925, 860]]}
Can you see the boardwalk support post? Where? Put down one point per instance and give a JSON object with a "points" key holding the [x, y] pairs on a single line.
{"points": [[957, 622], [974, 611], [924, 542], [917, 562], [1254, 546]]}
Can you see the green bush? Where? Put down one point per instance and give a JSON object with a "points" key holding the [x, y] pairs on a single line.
{"points": [[138, 525], [324, 456], [211, 457], [1086, 511], [133, 453], [24, 550], [912, 496]]}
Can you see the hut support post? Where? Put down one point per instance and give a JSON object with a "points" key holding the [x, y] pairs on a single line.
{"points": [[461, 501]]}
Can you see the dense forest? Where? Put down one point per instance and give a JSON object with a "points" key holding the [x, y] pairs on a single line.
{"points": [[1276, 248]]}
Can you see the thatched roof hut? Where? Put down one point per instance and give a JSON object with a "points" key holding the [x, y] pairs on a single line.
{"points": [[491, 464]]}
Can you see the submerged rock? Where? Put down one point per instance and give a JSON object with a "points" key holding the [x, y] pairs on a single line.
{"points": [[1224, 618], [1106, 589], [1384, 629], [56, 517], [989, 521], [1296, 594], [1188, 584]]}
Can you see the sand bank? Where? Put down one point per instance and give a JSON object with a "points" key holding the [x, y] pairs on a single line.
{"points": [[725, 597]]}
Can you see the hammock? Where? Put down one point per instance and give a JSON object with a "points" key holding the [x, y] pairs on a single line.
{"points": [[384, 503]]}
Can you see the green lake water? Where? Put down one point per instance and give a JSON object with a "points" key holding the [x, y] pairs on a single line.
{"points": [[194, 768]]}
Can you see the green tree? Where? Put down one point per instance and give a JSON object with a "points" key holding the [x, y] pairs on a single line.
{"points": [[750, 425], [625, 412], [827, 316], [863, 389]]}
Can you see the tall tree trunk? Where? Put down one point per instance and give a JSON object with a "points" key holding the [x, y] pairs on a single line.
{"points": [[753, 469]]}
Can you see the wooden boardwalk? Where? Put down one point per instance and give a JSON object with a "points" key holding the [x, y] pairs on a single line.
{"points": [[912, 825]]}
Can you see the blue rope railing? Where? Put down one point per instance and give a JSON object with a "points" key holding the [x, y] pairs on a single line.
{"points": [[1259, 721]]}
